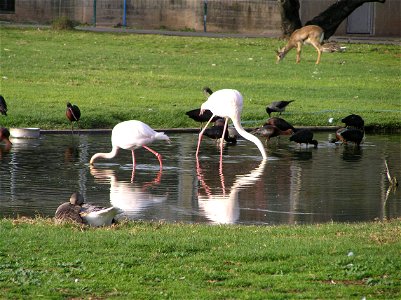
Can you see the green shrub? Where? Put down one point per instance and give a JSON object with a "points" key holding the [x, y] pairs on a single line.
{"points": [[63, 23]]}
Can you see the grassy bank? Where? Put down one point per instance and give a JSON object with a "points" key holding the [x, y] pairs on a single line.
{"points": [[158, 261], [115, 77]]}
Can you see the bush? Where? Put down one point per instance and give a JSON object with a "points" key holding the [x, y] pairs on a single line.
{"points": [[63, 23]]}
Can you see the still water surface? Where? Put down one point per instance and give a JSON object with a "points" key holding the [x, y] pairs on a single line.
{"points": [[295, 185]]}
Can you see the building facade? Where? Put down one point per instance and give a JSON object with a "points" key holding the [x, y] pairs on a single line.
{"points": [[257, 17]]}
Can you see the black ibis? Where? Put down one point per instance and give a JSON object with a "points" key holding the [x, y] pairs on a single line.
{"points": [[73, 114], [280, 123], [303, 136], [269, 131], [354, 121], [353, 135], [216, 132], [5, 136], [3, 106]]}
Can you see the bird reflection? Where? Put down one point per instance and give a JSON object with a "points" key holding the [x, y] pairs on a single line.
{"points": [[352, 154], [301, 154], [222, 207], [131, 198], [71, 153]]}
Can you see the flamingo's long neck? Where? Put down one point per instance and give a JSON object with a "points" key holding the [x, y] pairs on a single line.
{"points": [[249, 137], [109, 155]]}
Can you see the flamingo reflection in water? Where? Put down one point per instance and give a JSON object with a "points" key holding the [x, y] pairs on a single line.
{"points": [[130, 198], [223, 207]]}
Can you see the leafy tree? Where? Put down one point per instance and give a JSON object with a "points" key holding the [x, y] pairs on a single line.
{"points": [[329, 19]]}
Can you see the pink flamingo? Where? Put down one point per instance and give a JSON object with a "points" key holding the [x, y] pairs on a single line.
{"points": [[227, 104], [131, 135]]}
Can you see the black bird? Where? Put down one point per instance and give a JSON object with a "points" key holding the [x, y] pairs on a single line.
{"points": [[5, 136], [3, 106], [207, 91], [73, 114], [303, 136], [216, 132], [353, 135], [277, 106], [354, 121], [269, 131], [207, 114], [280, 123], [196, 116]]}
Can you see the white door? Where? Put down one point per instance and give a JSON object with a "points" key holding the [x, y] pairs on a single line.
{"points": [[361, 19]]}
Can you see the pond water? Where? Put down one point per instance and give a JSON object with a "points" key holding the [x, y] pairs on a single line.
{"points": [[294, 186]]}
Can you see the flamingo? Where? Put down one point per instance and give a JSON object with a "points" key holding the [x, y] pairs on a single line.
{"points": [[131, 135], [73, 114], [277, 106], [227, 103], [3, 106], [129, 197]]}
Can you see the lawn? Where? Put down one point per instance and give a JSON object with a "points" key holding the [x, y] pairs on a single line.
{"points": [[138, 260], [156, 79]]}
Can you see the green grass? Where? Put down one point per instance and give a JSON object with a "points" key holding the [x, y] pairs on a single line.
{"points": [[115, 77], [157, 261]]}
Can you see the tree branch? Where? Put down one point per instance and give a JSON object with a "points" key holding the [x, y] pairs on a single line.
{"points": [[332, 17]]}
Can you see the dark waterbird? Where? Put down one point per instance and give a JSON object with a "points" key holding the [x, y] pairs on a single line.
{"points": [[277, 106], [207, 91], [216, 131], [269, 131], [354, 121], [201, 118], [353, 135], [84, 213], [3, 106], [279, 123], [195, 114], [5, 136], [73, 114], [304, 136]]}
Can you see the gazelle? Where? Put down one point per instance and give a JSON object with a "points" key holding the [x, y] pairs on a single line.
{"points": [[310, 34]]}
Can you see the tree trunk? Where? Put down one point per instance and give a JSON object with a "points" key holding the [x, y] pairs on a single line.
{"points": [[332, 17], [290, 20], [329, 19]]}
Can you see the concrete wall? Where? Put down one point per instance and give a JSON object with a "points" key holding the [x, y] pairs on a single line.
{"points": [[234, 16], [240, 16]]}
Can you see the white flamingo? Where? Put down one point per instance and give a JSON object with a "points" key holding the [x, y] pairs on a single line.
{"points": [[131, 135], [227, 104], [129, 198], [223, 208]]}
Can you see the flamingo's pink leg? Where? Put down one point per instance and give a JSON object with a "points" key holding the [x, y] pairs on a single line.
{"points": [[159, 157], [201, 134], [222, 139], [133, 160]]}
